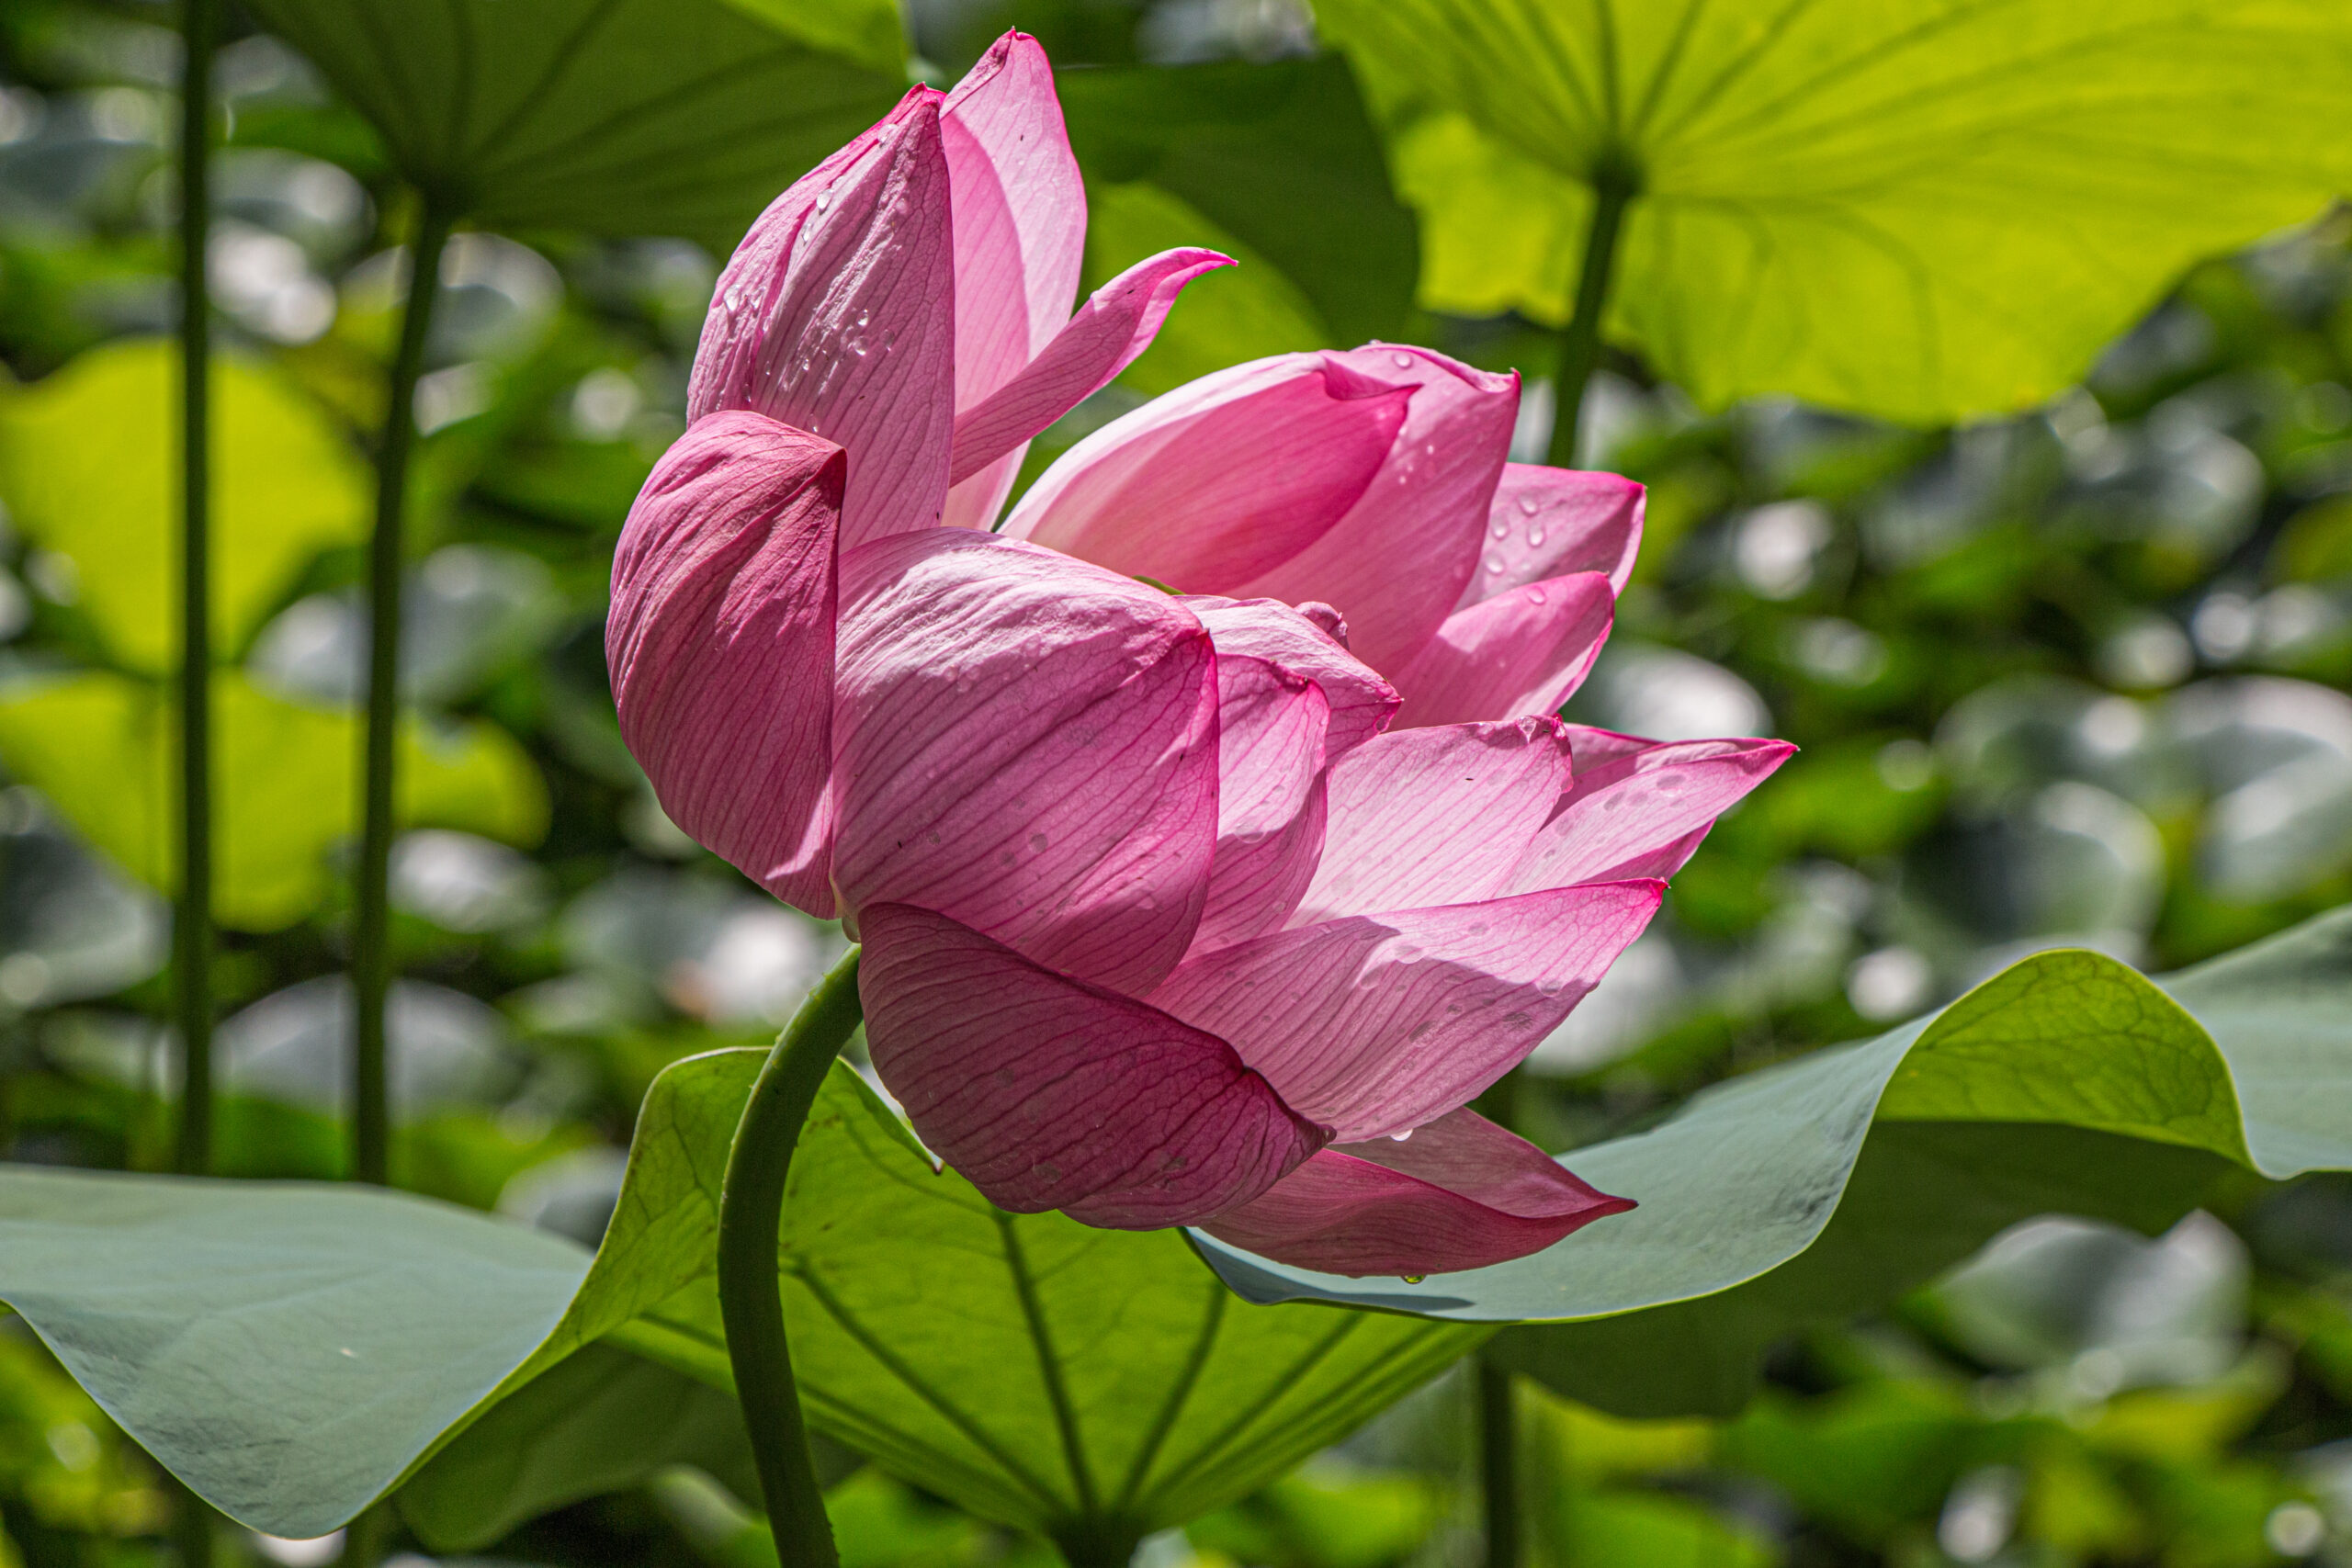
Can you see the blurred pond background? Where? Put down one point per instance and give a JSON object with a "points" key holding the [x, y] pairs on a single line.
{"points": [[2075, 678]]}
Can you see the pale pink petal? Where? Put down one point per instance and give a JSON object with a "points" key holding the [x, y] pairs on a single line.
{"points": [[1638, 808], [1115, 325], [1048, 1093], [1437, 816], [1310, 641], [720, 645], [1270, 727], [1397, 563], [1373, 1024], [837, 315], [1221, 479], [1521, 653], [1028, 744], [1462, 1193], [1554, 522]]}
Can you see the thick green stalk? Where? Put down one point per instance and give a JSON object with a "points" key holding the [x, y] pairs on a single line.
{"points": [[751, 1300], [371, 956], [192, 929], [1499, 1465], [1613, 191]]}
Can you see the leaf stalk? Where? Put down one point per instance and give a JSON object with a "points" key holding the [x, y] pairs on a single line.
{"points": [[1498, 1463], [1613, 190], [371, 959], [751, 1296]]}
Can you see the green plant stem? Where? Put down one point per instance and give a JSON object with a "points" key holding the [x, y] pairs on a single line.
{"points": [[1499, 1465], [751, 1300], [192, 1535], [192, 929], [1613, 191], [371, 957], [364, 1537]]}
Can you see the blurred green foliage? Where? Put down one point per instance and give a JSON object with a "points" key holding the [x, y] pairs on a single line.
{"points": [[2072, 675]]}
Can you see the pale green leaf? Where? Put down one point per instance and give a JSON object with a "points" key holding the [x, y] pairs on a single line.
{"points": [[622, 116], [285, 791], [89, 467], [1922, 211]]}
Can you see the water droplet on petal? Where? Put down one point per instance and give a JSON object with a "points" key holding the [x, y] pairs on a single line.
{"points": [[1404, 361], [1494, 565], [1527, 506], [1500, 530], [1536, 596], [1400, 1137], [1535, 536], [1412, 1278]]}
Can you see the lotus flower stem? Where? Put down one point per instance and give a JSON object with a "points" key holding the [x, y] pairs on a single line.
{"points": [[371, 957], [192, 929], [751, 1301], [1613, 190], [1498, 1463]]}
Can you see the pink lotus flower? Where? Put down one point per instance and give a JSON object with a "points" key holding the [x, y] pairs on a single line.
{"points": [[1165, 921]]}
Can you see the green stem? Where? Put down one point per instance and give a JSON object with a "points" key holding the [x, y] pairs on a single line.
{"points": [[192, 927], [1613, 190], [751, 1299], [371, 958], [1499, 1465], [192, 1536]]}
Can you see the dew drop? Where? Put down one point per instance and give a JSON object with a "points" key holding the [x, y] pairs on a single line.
{"points": [[1412, 1278], [1404, 361], [1500, 530], [824, 200], [1535, 536], [1400, 1137], [1527, 506], [1494, 565], [1536, 596]]}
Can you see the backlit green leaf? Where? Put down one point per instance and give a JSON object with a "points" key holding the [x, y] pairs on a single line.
{"points": [[1920, 211]]}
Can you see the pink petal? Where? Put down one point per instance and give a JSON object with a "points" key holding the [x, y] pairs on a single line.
{"points": [[1020, 222], [1310, 641], [1555, 521], [1373, 1024], [1028, 744], [1462, 1193], [836, 315], [1437, 816], [1046, 1092], [1400, 560], [1221, 479], [1521, 653], [720, 644], [1113, 326], [1270, 727], [1635, 811]]}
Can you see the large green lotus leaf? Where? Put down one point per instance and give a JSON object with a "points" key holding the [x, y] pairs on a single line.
{"points": [[1922, 211], [617, 116], [1814, 1189], [89, 469], [1277, 165], [99, 746], [1054, 1377]]}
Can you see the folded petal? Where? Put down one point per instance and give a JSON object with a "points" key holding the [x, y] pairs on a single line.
{"points": [[1028, 744], [1115, 325], [837, 315], [1518, 653], [1373, 1024], [1554, 522], [1271, 726], [720, 645], [1634, 812], [1461, 1193], [1046, 1092], [1310, 641], [1435, 816], [1399, 561], [1222, 479]]}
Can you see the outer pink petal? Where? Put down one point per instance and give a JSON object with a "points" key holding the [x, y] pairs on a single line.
{"points": [[1113, 326], [1519, 653], [1049, 1093], [1220, 480], [1555, 521], [836, 315], [720, 644], [1028, 744], [1310, 641], [1400, 560], [1462, 1193], [1270, 727], [1375, 1024], [1438, 816], [1637, 809]]}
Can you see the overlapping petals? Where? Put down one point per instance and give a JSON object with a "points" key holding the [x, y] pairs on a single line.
{"points": [[1209, 833]]}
